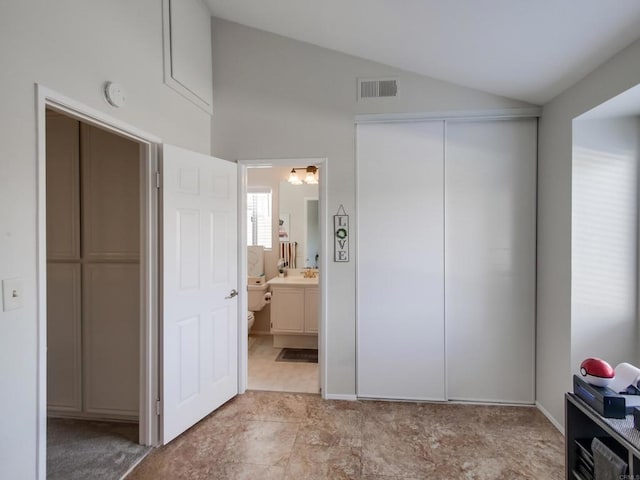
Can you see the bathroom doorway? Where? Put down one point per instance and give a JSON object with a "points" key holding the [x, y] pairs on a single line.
{"points": [[283, 268]]}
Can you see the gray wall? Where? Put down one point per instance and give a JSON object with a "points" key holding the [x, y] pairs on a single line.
{"points": [[279, 98], [604, 240], [553, 339], [70, 46]]}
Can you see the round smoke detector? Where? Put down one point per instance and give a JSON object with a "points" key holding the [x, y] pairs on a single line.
{"points": [[114, 94]]}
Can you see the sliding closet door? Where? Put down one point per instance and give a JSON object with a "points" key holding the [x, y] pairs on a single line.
{"points": [[400, 261], [490, 188]]}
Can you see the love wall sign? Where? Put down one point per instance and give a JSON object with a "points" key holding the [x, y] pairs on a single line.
{"points": [[341, 236]]}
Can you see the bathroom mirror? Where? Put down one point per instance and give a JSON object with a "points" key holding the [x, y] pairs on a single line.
{"points": [[299, 222]]}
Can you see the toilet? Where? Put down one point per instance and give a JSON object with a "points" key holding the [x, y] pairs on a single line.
{"points": [[256, 300], [257, 287], [250, 319]]}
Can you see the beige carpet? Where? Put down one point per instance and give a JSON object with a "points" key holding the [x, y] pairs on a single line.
{"points": [[82, 450]]}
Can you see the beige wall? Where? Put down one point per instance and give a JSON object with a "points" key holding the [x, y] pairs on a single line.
{"points": [[553, 339], [280, 98], [73, 47]]}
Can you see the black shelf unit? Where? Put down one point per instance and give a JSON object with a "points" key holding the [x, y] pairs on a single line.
{"points": [[582, 423]]}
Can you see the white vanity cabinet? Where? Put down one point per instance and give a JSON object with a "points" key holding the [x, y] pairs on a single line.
{"points": [[287, 309], [311, 309], [294, 306]]}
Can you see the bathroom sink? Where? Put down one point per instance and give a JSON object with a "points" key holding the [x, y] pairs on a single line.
{"points": [[293, 280], [256, 280]]}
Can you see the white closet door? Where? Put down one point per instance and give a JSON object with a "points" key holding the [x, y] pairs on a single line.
{"points": [[400, 261], [490, 186]]}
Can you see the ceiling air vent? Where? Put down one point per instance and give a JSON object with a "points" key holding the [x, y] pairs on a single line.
{"points": [[376, 88]]}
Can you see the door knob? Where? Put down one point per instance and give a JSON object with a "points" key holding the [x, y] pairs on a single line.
{"points": [[232, 293]]}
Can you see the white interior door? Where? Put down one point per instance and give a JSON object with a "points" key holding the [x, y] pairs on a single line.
{"points": [[401, 261], [490, 260], [200, 321]]}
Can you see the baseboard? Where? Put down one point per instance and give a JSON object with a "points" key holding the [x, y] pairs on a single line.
{"points": [[553, 421], [339, 396], [92, 416], [260, 332]]}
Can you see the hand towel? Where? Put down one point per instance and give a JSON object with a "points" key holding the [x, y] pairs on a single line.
{"points": [[606, 464]]}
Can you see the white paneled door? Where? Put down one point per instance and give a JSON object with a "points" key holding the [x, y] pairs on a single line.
{"points": [[200, 322], [401, 261]]}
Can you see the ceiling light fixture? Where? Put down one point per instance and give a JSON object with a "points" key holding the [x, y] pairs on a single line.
{"points": [[310, 178]]}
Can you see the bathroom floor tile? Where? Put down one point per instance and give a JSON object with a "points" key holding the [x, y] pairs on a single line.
{"points": [[267, 374]]}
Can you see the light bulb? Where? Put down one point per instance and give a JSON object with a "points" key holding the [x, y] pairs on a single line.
{"points": [[293, 178], [310, 178]]}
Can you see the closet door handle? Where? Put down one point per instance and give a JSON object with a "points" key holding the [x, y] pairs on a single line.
{"points": [[232, 293]]}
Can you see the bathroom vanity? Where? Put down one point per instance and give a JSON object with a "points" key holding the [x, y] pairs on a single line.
{"points": [[295, 305]]}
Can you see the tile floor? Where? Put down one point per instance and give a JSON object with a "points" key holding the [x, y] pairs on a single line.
{"points": [[267, 374], [272, 435]]}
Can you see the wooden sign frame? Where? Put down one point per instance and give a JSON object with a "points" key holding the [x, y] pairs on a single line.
{"points": [[341, 236]]}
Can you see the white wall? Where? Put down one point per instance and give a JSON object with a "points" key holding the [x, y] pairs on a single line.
{"points": [[604, 240], [553, 339], [71, 46], [279, 98]]}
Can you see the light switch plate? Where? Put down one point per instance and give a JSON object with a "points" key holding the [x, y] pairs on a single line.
{"points": [[12, 294]]}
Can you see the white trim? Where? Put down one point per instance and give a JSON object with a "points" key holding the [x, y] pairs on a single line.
{"points": [[354, 245], [491, 401], [323, 175], [550, 417], [390, 398], [338, 396], [148, 423], [61, 103], [243, 332], [498, 113], [169, 79], [446, 349], [46, 98]]}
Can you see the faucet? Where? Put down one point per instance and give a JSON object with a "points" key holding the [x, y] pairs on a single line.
{"points": [[310, 273]]}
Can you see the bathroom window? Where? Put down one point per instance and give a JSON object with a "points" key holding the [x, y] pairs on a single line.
{"points": [[259, 216]]}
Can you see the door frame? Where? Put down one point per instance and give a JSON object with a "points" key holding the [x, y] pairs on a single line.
{"points": [[323, 188], [149, 334]]}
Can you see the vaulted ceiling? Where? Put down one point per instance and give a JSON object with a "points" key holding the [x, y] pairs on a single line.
{"points": [[529, 50]]}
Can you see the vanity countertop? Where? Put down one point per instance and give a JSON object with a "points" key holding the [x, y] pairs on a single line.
{"points": [[293, 281]]}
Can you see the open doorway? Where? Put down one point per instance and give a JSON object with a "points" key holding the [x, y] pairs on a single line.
{"points": [[283, 258], [94, 215], [74, 392]]}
